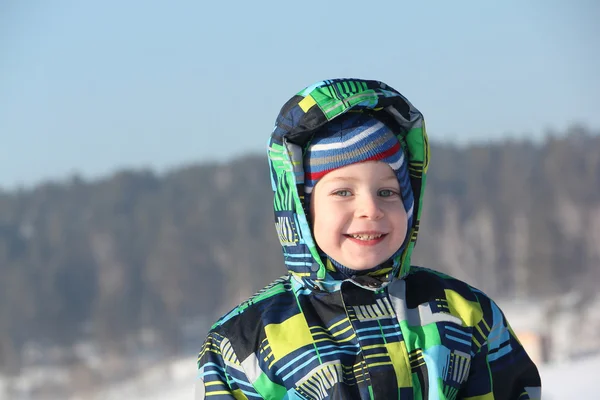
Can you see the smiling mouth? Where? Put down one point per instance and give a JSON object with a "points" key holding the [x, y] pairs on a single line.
{"points": [[365, 236]]}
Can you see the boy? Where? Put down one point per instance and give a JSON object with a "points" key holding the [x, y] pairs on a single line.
{"points": [[353, 319]]}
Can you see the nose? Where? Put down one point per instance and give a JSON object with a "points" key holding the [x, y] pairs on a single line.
{"points": [[368, 207]]}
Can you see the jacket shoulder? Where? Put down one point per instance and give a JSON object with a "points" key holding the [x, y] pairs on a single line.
{"points": [[424, 285], [244, 326], [248, 309]]}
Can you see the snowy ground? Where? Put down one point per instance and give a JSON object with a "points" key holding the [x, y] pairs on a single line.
{"points": [[173, 381], [573, 380]]}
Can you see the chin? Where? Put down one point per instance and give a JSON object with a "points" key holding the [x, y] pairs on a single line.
{"points": [[364, 266]]}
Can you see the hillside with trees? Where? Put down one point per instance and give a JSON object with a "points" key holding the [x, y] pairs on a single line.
{"points": [[137, 254]]}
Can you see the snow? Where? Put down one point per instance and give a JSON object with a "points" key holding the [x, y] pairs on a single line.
{"points": [[571, 380], [174, 381]]}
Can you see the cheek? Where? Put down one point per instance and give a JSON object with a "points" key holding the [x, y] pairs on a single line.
{"points": [[318, 229], [315, 206], [313, 211], [403, 222], [323, 221], [399, 217]]}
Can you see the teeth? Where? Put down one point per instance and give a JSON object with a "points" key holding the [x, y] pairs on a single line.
{"points": [[366, 237]]}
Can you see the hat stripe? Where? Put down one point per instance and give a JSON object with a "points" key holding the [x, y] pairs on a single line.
{"points": [[396, 165], [409, 212], [353, 154], [336, 144]]}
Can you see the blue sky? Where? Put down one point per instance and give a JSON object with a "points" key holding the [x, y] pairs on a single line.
{"points": [[90, 87]]}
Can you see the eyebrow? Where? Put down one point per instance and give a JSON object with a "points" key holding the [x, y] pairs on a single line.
{"points": [[354, 179]]}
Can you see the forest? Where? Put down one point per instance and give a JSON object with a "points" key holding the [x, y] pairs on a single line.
{"points": [[140, 260]]}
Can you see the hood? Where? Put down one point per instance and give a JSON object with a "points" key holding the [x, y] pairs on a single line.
{"points": [[298, 120]]}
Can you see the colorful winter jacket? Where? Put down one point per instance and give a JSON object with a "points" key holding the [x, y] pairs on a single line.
{"points": [[401, 332]]}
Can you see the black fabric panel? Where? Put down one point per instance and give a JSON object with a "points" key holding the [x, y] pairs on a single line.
{"points": [[384, 385], [278, 308], [423, 287], [511, 388], [285, 110], [407, 394], [356, 296], [245, 332], [323, 307]]}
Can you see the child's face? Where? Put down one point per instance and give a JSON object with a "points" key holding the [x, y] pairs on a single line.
{"points": [[357, 214]]}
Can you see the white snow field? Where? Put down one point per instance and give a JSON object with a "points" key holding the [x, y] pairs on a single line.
{"points": [[571, 380]]}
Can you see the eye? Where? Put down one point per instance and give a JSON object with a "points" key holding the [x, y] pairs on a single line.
{"points": [[342, 193], [386, 193]]}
